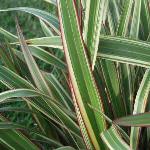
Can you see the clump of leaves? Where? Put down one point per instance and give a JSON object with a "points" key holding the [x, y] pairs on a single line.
{"points": [[96, 92]]}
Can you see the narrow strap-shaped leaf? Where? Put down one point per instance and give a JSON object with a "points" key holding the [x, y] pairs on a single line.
{"points": [[79, 12], [142, 95], [47, 57], [17, 93], [6, 125], [105, 11], [92, 26], [111, 23], [101, 84], [46, 29], [125, 16], [51, 2], [39, 137], [34, 70], [114, 13], [126, 85], [14, 140], [134, 31], [134, 34], [16, 109], [44, 56], [81, 77], [112, 84], [53, 42], [9, 35], [65, 148], [145, 18], [124, 69], [45, 16], [139, 106], [125, 50], [81, 123], [6, 59], [138, 120], [13, 79], [113, 139], [61, 92]]}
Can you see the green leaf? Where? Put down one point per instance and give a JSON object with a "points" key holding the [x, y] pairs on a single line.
{"points": [[14, 109], [139, 106], [113, 88], [134, 31], [138, 120], [46, 29], [92, 26], [125, 69], [10, 125], [6, 59], [111, 23], [145, 18], [82, 81], [65, 148], [44, 56], [63, 95], [51, 2], [10, 36], [124, 21], [44, 139], [125, 51], [34, 70], [113, 140], [17, 93], [53, 42], [101, 84], [13, 80]]}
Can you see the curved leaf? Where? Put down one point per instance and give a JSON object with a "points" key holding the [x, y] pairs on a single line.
{"points": [[45, 16], [17, 93]]}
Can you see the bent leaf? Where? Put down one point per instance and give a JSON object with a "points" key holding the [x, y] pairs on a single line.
{"points": [[45, 16]]}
